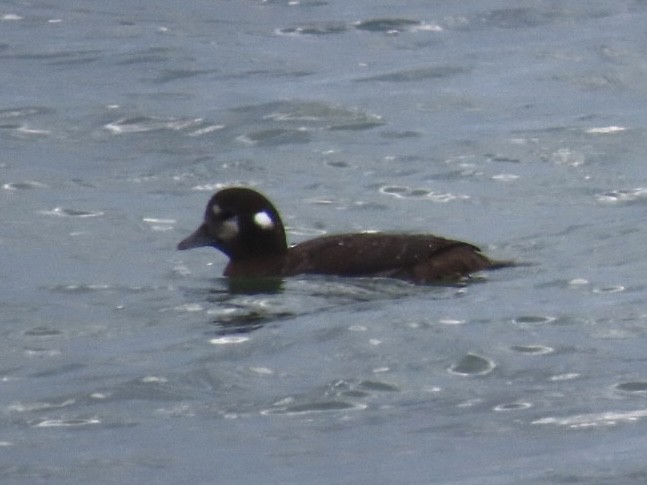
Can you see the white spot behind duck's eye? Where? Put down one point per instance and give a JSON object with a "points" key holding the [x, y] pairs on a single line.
{"points": [[215, 208], [263, 220]]}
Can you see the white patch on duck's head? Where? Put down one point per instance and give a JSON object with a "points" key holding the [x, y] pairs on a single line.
{"points": [[263, 220], [225, 228], [228, 229]]}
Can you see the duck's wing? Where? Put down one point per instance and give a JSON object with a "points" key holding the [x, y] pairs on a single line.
{"points": [[414, 257]]}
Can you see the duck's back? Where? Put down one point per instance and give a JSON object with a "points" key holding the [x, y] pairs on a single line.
{"points": [[419, 258]]}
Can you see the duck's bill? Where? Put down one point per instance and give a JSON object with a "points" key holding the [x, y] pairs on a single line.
{"points": [[198, 239]]}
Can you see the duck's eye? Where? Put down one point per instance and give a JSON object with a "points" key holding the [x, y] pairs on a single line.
{"points": [[220, 213], [226, 215]]}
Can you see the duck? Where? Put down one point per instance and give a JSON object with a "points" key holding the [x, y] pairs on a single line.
{"points": [[244, 225]]}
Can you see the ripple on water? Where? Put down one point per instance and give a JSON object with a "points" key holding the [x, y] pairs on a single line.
{"points": [[472, 365], [23, 112], [452, 321], [276, 136], [414, 75], [593, 420], [239, 307], [41, 352], [402, 192], [304, 117], [377, 386], [157, 224], [531, 320], [609, 289], [144, 124], [566, 156], [632, 387], [315, 407], [43, 332], [67, 423], [12, 120], [229, 340], [532, 349], [65, 212], [578, 282], [190, 307], [605, 130], [39, 406], [620, 196], [322, 28], [390, 26], [341, 395], [386, 25], [80, 288], [512, 406], [209, 187], [569, 376], [24, 185]]}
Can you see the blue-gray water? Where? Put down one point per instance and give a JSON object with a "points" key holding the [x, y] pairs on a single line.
{"points": [[519, 126]]}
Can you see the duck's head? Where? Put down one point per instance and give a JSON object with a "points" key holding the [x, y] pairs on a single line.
{"points": [[241, 223]]}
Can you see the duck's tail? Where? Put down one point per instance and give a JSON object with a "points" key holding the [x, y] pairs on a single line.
{"points": [[499, 264]]}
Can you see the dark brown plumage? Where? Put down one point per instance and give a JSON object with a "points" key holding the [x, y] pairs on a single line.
{"points": [[245, 226]]}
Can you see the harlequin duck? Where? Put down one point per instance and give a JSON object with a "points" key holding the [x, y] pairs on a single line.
{"points": [[245, 226]]}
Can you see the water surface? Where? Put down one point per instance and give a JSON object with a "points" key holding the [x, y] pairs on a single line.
{"points": [[519, 128]]}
